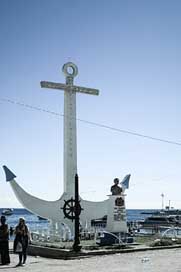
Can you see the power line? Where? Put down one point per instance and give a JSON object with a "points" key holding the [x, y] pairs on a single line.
{"points": [[93, 123]]}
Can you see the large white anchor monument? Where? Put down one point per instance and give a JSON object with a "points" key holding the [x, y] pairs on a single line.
{"points": [[52, 209]]}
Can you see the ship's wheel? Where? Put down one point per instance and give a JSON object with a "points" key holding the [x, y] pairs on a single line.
{"points": [[70, 209]]}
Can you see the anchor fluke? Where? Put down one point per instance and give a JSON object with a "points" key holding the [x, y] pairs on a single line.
{"points": [[9, 175]]}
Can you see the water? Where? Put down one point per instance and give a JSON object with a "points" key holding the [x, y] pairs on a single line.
{"points": [[32, 221], [34, 224], [136, 214]]}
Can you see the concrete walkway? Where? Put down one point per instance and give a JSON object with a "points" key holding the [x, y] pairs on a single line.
{"points": [[148, 261]]}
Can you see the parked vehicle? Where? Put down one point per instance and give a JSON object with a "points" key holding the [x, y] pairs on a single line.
{"points": [[7, 211]]}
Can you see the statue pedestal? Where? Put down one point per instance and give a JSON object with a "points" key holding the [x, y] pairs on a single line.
{"points": [[116, 216]]}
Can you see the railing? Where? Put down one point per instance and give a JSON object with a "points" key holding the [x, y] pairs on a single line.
{"points": [[175, 230]]}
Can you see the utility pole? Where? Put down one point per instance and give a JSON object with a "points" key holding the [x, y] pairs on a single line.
{"points": [[162, 195]]}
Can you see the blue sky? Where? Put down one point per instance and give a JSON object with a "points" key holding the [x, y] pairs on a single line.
{"points": [[130, 51]]}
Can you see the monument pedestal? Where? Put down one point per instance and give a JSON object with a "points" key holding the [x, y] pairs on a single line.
{"points": [[116, 216]]}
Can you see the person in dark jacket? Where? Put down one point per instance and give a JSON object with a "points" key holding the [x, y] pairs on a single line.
{"points": [[22, 237], [4, 241]]}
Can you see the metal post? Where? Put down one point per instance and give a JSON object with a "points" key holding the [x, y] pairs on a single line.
{"points": [[76, 245]]}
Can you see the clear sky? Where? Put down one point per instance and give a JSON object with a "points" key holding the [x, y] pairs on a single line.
{"points": [[131, 52]]}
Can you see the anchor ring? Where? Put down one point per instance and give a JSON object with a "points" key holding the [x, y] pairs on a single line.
{"points": [[70, 66]]}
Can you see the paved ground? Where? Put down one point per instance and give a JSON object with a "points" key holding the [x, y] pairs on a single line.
{"points": [[148, 261]]}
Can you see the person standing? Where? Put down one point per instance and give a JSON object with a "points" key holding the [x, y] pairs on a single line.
{"points": [[21, 241], [4, 241], [116, 189]]}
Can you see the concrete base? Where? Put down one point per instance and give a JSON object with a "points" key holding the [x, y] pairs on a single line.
{"points": [[57, 253]]}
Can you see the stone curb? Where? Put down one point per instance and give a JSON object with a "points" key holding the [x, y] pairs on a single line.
{"points": [[56, 253]]}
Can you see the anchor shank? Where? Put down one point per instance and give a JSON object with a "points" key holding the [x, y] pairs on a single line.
{"points": [[70, 131]]}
